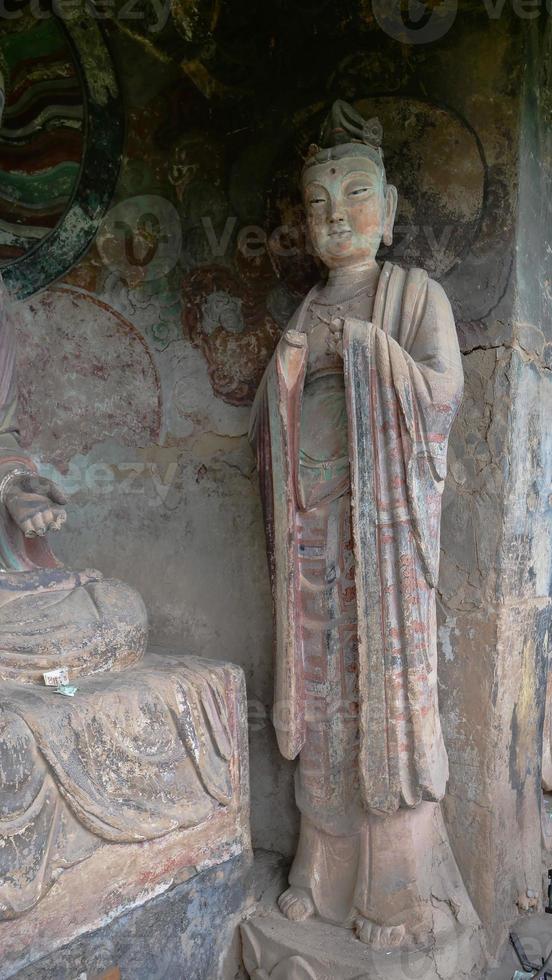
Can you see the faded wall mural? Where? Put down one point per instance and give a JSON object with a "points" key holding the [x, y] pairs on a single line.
{"points": [[42, 139], [60, 144]]}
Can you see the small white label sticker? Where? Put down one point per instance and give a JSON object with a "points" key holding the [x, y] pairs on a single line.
{"points": [[53, 678]]}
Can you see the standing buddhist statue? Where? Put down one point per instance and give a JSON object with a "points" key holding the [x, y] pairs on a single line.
{"points": [[350, 425]]}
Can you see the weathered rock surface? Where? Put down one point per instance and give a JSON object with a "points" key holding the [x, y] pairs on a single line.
{"points": [[188, 933], [140, 782], [278, 949]]}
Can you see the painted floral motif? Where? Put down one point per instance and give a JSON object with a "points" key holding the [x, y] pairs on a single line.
{"points": [[226, 317]]}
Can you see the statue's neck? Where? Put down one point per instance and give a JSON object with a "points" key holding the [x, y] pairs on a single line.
{"points": [[344, 283], [363, 271]]}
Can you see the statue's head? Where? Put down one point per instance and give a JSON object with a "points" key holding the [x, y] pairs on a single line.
{"points": [[350, 206]]}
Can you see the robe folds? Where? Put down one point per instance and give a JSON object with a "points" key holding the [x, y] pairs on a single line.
{"points": [[404, 382], [137, 755], [17, 553]]}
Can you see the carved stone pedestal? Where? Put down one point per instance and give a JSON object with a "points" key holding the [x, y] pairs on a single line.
{"points": [[110, 798], [276, 949]]}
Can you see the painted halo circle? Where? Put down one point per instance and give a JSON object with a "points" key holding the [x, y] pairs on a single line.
{"points": [[43, 250]]}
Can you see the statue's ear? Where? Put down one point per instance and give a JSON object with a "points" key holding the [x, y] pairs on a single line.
{"points": [[391, 198]]}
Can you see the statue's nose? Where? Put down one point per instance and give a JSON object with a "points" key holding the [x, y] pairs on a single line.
{"points": [[337, 214]]}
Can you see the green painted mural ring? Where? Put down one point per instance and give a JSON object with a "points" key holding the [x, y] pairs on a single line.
{"points": [[59, 251]]}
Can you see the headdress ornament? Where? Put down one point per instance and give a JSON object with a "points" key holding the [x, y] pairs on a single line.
{"points": [[344, 126]]}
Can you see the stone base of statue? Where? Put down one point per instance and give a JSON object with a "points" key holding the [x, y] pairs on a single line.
{"points": [[110, 797], [190, 932], [276, 949]]}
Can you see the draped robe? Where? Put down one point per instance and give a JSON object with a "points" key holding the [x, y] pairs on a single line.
{"points": [[404, 382]]}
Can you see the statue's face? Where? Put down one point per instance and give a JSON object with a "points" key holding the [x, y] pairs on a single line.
{"points": [[349, 210]]}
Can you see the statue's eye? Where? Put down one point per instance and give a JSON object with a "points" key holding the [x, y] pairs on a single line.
{"points": [[357, 191], [317, 200]]}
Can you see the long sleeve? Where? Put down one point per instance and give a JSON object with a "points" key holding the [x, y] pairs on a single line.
{"points": [[11, 453], [404, 385], [17, 553]]}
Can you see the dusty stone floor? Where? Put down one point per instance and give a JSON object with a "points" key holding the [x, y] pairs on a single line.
{"points": [[535, 931]]}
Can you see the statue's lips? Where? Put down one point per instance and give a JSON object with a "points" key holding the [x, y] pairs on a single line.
{"points": [[343, 237]]}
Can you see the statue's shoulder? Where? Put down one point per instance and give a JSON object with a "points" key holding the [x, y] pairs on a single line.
{"points": [[418, 287], [402, 278], [409, 303], [437, 301]]}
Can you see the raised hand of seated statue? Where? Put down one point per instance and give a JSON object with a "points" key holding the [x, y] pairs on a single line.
{"points": [[35, 503]]}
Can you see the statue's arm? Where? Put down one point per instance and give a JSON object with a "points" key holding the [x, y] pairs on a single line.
{"points": [[11, 453], [423, 348], [287, 361], [9, 431], [431, 344], [34, 503]]}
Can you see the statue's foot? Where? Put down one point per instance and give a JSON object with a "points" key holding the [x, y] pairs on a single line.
{"points": [[414, 932], [379, 937], [296, 904]]}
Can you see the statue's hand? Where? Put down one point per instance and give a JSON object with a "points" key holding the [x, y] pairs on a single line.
{"points": [[335, 339], [295, 338], [35, 503]]}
